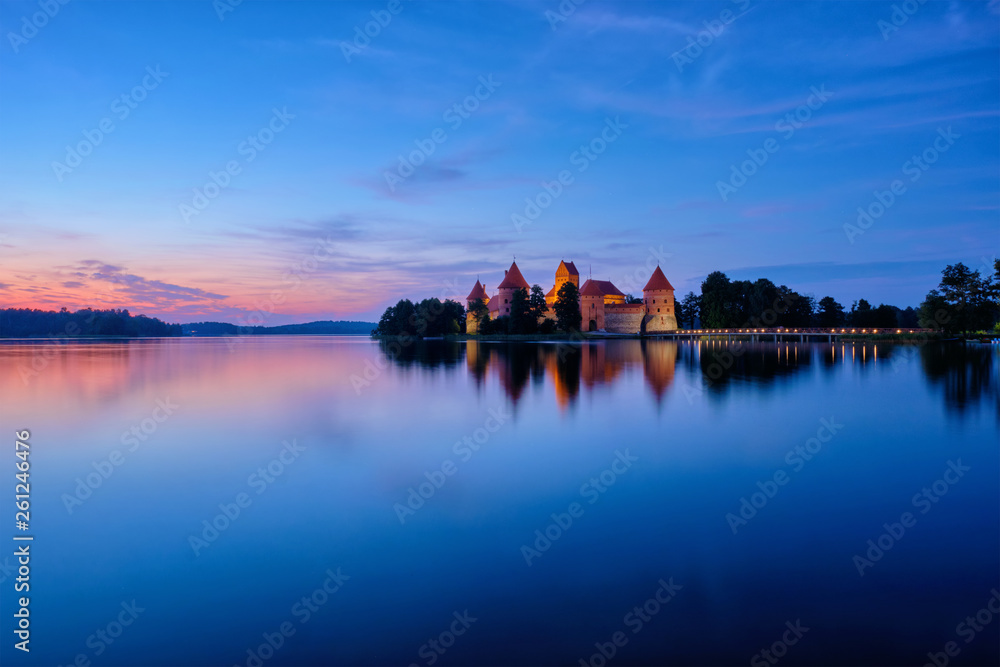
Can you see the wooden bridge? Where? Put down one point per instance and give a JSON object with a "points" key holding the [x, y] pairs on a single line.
{"points": [[782, 333]]}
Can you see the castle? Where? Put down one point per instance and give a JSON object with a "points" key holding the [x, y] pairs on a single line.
{"points": [[602, 305]]}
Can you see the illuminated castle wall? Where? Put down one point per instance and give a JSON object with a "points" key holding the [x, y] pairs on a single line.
{"points": [[602, 305]]}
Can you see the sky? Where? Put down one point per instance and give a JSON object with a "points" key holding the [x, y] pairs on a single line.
{"points": [[301, 161]]}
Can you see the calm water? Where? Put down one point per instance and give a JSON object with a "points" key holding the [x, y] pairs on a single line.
{"points": [[644, 452]]}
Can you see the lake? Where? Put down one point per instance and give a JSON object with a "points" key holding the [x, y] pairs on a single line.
{"points": [[340, 501]]}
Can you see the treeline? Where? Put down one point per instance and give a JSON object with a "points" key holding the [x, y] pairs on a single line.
{"points": [[433, 317], [324, 327], [32, 323], [964, 301], [430, 317], [725, 303], [527, 311]]}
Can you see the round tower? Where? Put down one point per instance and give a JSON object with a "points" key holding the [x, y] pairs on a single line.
{"points": [[512, 281], [478, 293], [658, 299]]}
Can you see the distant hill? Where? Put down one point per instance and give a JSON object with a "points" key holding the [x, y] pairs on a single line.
{"points": [[34, 323], [326, 327]]}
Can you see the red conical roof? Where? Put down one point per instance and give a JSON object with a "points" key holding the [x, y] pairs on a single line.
{"points": [[514, 279], [478, 292], [657, 281]]}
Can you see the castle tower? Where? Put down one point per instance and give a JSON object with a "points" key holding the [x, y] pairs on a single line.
{"points": [[565, 272], [512, 281], [658, 299], [478, 292], [591, 306]]}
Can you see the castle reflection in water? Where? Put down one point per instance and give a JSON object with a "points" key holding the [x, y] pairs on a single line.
{"points": [[572, 367], [691, 367]]}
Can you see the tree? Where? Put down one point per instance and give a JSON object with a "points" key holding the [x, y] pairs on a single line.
{"points": [[632, 299], [958, 287], [500, 325], [547, 326], [860, 315], [480, 313], [520, 314], [740, 309], [430, 317], [28, 322], [885, 316], [453, 317], [964, 300], [567, 307], [691, 308], [969, 295], [761, 298], [716, 305], [799, 309], [935, 313], [536, 304], [831, 313], [397, 320], [908, 318]]}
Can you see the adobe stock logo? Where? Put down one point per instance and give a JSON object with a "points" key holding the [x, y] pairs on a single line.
{"points": [[787, 126], [31, 26], [796, 458], [122, 107], [363, 37], [924, 501], [914, 168]]}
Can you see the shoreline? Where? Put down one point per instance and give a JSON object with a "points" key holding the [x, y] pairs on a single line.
{"points": [[595, 335]]}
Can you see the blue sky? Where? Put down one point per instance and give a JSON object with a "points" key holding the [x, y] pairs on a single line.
{"points": [[309, 228]]}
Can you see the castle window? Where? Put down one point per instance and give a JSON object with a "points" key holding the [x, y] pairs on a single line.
{"points": [[505, 300], [657, 310]]}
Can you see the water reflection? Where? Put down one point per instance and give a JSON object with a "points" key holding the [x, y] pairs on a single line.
{"points": [[571, 366], [965, 373], [377, 422]]}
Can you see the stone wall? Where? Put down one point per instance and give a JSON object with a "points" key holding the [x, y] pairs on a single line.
{"points": [[623, 318], [660, 322]]}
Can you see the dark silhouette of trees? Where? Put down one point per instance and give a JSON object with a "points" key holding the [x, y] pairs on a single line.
{"points": [[963, 301], [971, 297], [729, 304], [830, 314], [480, 313], [567, 307], [32, 323], [395, 321], [689, 311], [319, 328], [883, 317], [798, 308], [717, 309], [521, 321], [908, 318], [536, 303], [431, 317], [860, 314]]}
